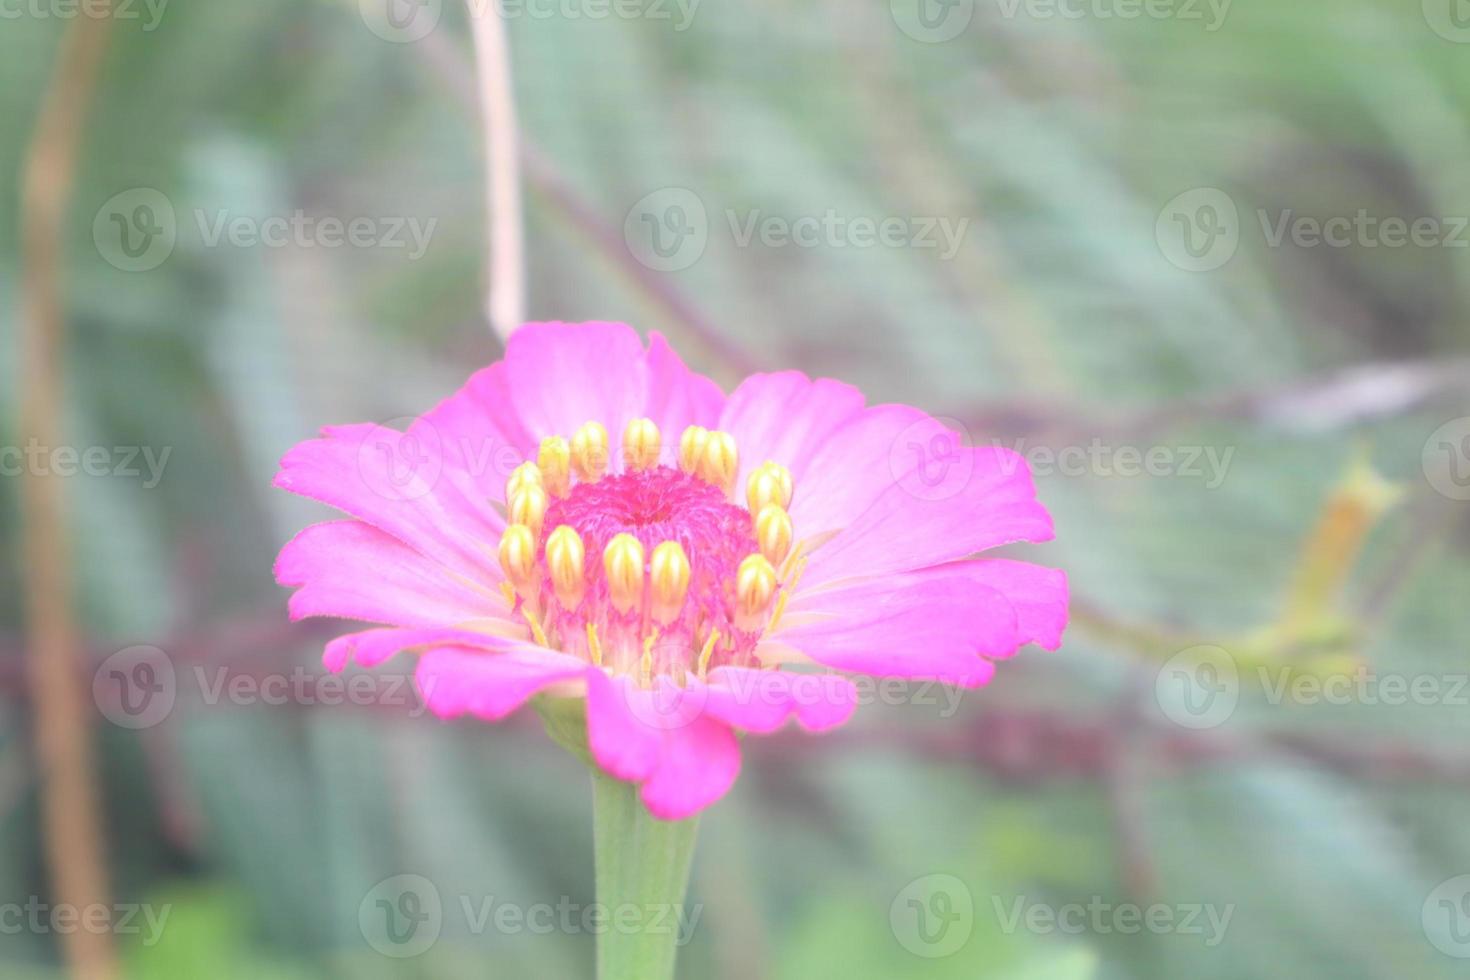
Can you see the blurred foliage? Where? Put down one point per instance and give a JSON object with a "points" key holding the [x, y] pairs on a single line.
{"points": [[263, 829]]}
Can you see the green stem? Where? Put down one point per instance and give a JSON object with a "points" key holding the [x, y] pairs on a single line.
{"points": [[643, 865]]}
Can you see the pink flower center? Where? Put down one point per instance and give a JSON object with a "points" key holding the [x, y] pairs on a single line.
{"points": [[654, 570]]}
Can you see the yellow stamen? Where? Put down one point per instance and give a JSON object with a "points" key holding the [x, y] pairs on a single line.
{"points": [[720, 462], [773, 533], [518, 557], [668, 573], [755, 583], [622, 561], [589, 452], [527, 474], [509, 591], [555, 462], [691, 448], [594, 645], [709, 649], [537, 633], [769, 483], [646, 664], [642, 444], [565, 556], [796, 564], [776, 614], [528, 507]]}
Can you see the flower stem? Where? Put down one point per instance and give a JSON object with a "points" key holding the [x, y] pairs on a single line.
{"points": [[642, 874]]}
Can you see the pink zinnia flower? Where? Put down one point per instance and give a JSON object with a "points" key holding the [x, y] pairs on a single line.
{"points": [[718, 571]]}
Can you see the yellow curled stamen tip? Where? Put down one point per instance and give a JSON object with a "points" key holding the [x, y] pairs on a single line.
{"points": [[755, 584], [589, 452], [642, 443], [554, 459], [773, 532], [720, 461], [565, 560], [691, 448], [622, 562], [528, 507], [668, 574], [768, 483], [517, 554], [524, 475]]}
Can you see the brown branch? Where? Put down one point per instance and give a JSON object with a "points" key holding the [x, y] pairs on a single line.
{"points": [[75, 851], [543, 177]]}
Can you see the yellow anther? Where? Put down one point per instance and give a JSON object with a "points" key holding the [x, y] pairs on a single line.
{"points": [[773, 533], [555, 462], [622, 561], [565, 557], [594, 645], [720, 462], [528, 507], [518, 556], [707, 652], [668, 574], [589, 452], [525, 475], [770, 483], [691, 448], [755, 583], [642, 444]]}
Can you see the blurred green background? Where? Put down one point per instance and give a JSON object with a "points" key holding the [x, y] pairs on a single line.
{"points": [[1131, 189]]}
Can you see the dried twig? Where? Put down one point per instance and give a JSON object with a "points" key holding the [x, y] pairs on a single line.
{"points": [[74, 847]]}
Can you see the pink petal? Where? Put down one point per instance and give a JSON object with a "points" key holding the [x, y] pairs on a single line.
{"points": [[623, 742], [351, 570], [1038, 594], [931, 624], [456, 681], [994, 504], [677, 397], [857, 462], [698, 766], [401, 485], [563, 374], [786, 417], [661, 738], [371, 647], [764, 700], [480, 432]]}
